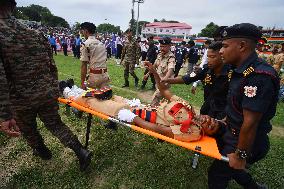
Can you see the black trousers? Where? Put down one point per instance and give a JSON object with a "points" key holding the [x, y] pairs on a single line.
{"points": [[220, 173], [64, 46], [118, 51], [143, 55], [177, 68], [108, 52], [53, 47], [78, 51]]}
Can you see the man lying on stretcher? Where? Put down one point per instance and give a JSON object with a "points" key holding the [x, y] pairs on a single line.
{"points": [[174, 117]]}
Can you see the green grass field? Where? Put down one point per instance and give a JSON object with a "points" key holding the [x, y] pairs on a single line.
{"points": [[123, 159]]}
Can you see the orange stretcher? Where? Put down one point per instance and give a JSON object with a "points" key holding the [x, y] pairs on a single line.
{"points": [[206, 146]]}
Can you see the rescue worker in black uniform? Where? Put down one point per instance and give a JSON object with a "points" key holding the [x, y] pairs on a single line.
{"points": [[180, 54], [151, 57], [251, 104], [215, 77]]}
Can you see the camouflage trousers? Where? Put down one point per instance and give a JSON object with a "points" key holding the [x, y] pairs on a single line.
{"points": [[47, 111], [129, 67]]}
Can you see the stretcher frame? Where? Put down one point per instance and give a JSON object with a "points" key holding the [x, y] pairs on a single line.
{"points": [[206, 146]]}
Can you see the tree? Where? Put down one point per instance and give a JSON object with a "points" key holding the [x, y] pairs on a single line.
{"points": [[76, 27], [40, 14], [108, 28], [209, 30], [140, 25]]}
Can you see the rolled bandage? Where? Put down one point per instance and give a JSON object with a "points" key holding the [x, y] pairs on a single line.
{"points": [[126, 115]]}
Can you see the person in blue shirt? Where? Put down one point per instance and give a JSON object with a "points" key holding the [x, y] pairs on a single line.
{"points": [[78, 42], [52, 42], [251, 104]]}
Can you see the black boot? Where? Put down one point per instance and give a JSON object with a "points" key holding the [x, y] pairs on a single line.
{"points": [[126, 83], [83, 155], [136, 81], [85, 158], [62, 85], [43, 152], [70, 83], [255, 185], [143, 85]]}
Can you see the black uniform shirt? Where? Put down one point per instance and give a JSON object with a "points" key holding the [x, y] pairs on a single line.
{"points": [[180, 54], [215, 90], [152, 53], [254, 86]]}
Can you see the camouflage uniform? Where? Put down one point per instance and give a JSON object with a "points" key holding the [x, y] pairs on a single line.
{"points": [[130, 54], [29, 85], [163, 64]]}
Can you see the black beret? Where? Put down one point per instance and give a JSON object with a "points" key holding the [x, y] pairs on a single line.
{"points": [[165, 41], [243, 30]]}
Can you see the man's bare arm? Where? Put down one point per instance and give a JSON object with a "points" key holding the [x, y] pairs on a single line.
{"points": [[84, 66]]}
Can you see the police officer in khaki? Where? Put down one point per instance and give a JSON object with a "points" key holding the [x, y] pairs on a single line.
{"points": [[93, 58], [165, 65]]}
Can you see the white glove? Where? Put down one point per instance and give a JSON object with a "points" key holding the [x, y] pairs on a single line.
{"points": [[126, 115], [66, 92], [134, 102]]}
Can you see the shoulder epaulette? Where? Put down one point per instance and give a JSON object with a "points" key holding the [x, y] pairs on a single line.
{"points": [[248, 71]]}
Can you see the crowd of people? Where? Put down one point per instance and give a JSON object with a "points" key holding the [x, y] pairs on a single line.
{"points": [[230, 69]]}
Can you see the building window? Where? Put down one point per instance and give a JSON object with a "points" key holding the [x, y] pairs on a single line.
{"points": [[167, 30], [174, 30], [161, 30], [154, 29], [148, 29]]}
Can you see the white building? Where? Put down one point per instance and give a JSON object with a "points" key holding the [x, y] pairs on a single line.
{"points": [[161, 29]]}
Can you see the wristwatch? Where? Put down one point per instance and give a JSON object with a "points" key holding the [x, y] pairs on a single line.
{"points": [[242, 154]]}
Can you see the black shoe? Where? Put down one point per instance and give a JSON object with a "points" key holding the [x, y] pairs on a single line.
{"points": [[62, 86], [136, 82], [125, 85], [111, 125], [43, 152], [255, 185], [70, 83], [85, 158]]}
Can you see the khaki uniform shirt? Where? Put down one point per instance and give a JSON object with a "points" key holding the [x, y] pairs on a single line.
{"points": [[94, 52], [165, 119], [165, 63]]}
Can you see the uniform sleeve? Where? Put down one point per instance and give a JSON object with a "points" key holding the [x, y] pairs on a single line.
{"points": [[84, 54], [257, 93], [199, 76], [5, 109], [172, 63]]}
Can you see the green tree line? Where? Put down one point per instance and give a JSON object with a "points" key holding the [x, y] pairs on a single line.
{"points": [[40, 14]]}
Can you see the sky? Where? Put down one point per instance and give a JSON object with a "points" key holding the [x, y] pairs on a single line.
{"points": [[197, 13]]}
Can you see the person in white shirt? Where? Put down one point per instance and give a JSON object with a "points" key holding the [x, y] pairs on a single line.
{"points": [[204, 61]]}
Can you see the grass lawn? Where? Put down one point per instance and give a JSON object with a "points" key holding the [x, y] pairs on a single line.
{"points": [[123, 159]]}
